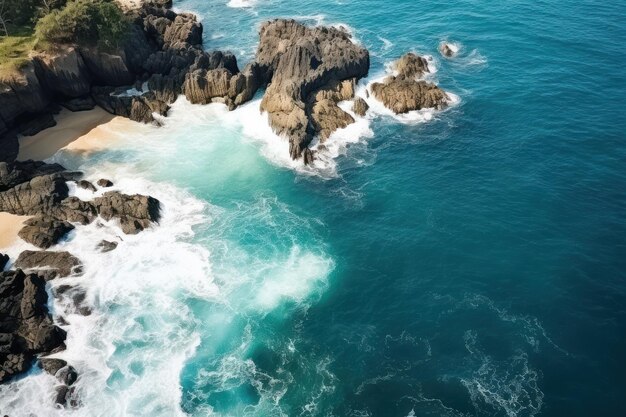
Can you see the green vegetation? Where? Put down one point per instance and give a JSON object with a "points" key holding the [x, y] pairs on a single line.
{"points": [[14, 49], [41, 24], [85, 22]]}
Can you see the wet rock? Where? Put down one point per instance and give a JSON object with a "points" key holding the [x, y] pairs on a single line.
{"points": [[104, 183], [44, 232], [135, 212], [4, 259], [52, 365], [326, 117], [26, 328], [403, 93], [298, 61], [403, 96], [86, 185], [411, 66], [67, 375], [360, 107], [55, 264], [38, 195], [106, 246], [447, 50], [61, 394]]}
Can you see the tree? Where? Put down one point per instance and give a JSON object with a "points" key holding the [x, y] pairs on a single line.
{"points": [[3, 25]]}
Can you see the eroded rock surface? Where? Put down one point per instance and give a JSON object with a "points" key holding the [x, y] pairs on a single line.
{"points": [[49, 264], [403, 92], [299, 62], [26, 328]]}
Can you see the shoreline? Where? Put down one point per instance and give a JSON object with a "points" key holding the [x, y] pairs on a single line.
{"points": [[77, 131]]}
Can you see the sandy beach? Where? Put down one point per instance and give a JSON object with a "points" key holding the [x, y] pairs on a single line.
{"points": [[78, 131], [10, 224]]}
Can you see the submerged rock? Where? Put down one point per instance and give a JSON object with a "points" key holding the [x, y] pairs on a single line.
{"points": [[104, 183], [106, 246], [86, 185]]}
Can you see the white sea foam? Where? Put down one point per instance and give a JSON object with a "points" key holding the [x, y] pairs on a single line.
{"points": [[242, 4], [142, 331]]}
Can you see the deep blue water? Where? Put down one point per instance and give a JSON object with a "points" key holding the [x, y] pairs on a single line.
{"points": [[472, 265], [479, 258]]}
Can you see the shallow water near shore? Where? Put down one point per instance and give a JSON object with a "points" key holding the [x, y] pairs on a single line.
{"points": [[461, 263]]}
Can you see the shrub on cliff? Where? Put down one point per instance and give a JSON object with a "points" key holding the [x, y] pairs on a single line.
{"points": [[85, 22]]}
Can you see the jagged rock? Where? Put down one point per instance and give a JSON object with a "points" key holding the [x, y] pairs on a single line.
{"points": [[138, 107], [38, 195], [4, 259], [62, 393], [9, 146], [73, 209], [26, 328], [44, 232], [52, 365], [64, 73], [103, 182], [135, 212], [106, 246], [404, 93], [107, 69], [326, 117], [67, 375], [21, 93], [15, 173], [52, 264], [360, 107], [79, 104], [298, 61], [13, 364], [411, 66], [86, 185]]}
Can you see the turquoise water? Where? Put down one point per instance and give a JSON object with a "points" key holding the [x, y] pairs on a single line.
{"points": [[469, 265]]}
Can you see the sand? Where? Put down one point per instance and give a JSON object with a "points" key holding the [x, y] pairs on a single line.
{"points": [[10, 224], [77, 131]]}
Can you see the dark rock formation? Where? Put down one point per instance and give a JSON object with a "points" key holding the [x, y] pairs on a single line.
{"points": [[403, 93], [44, 232], [86, 185], [135, 212], [104, 183], [106, 246], [79, 104], [49, 264], [26, 328], [360, 106], [4, 259], [298, 62], [64, 73], [15, 173]]}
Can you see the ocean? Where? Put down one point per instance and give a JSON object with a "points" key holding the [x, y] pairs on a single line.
{"points": [[468, 262]]}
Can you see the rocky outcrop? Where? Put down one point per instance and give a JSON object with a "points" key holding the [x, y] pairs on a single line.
{"points": [[360, 107], [63, 73], [298, 62], [106, 246], [44, 232], [26, 328], [104, 183], [49, 264], [135, 212], [403, 92], [4, 259], [448, 50]]}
